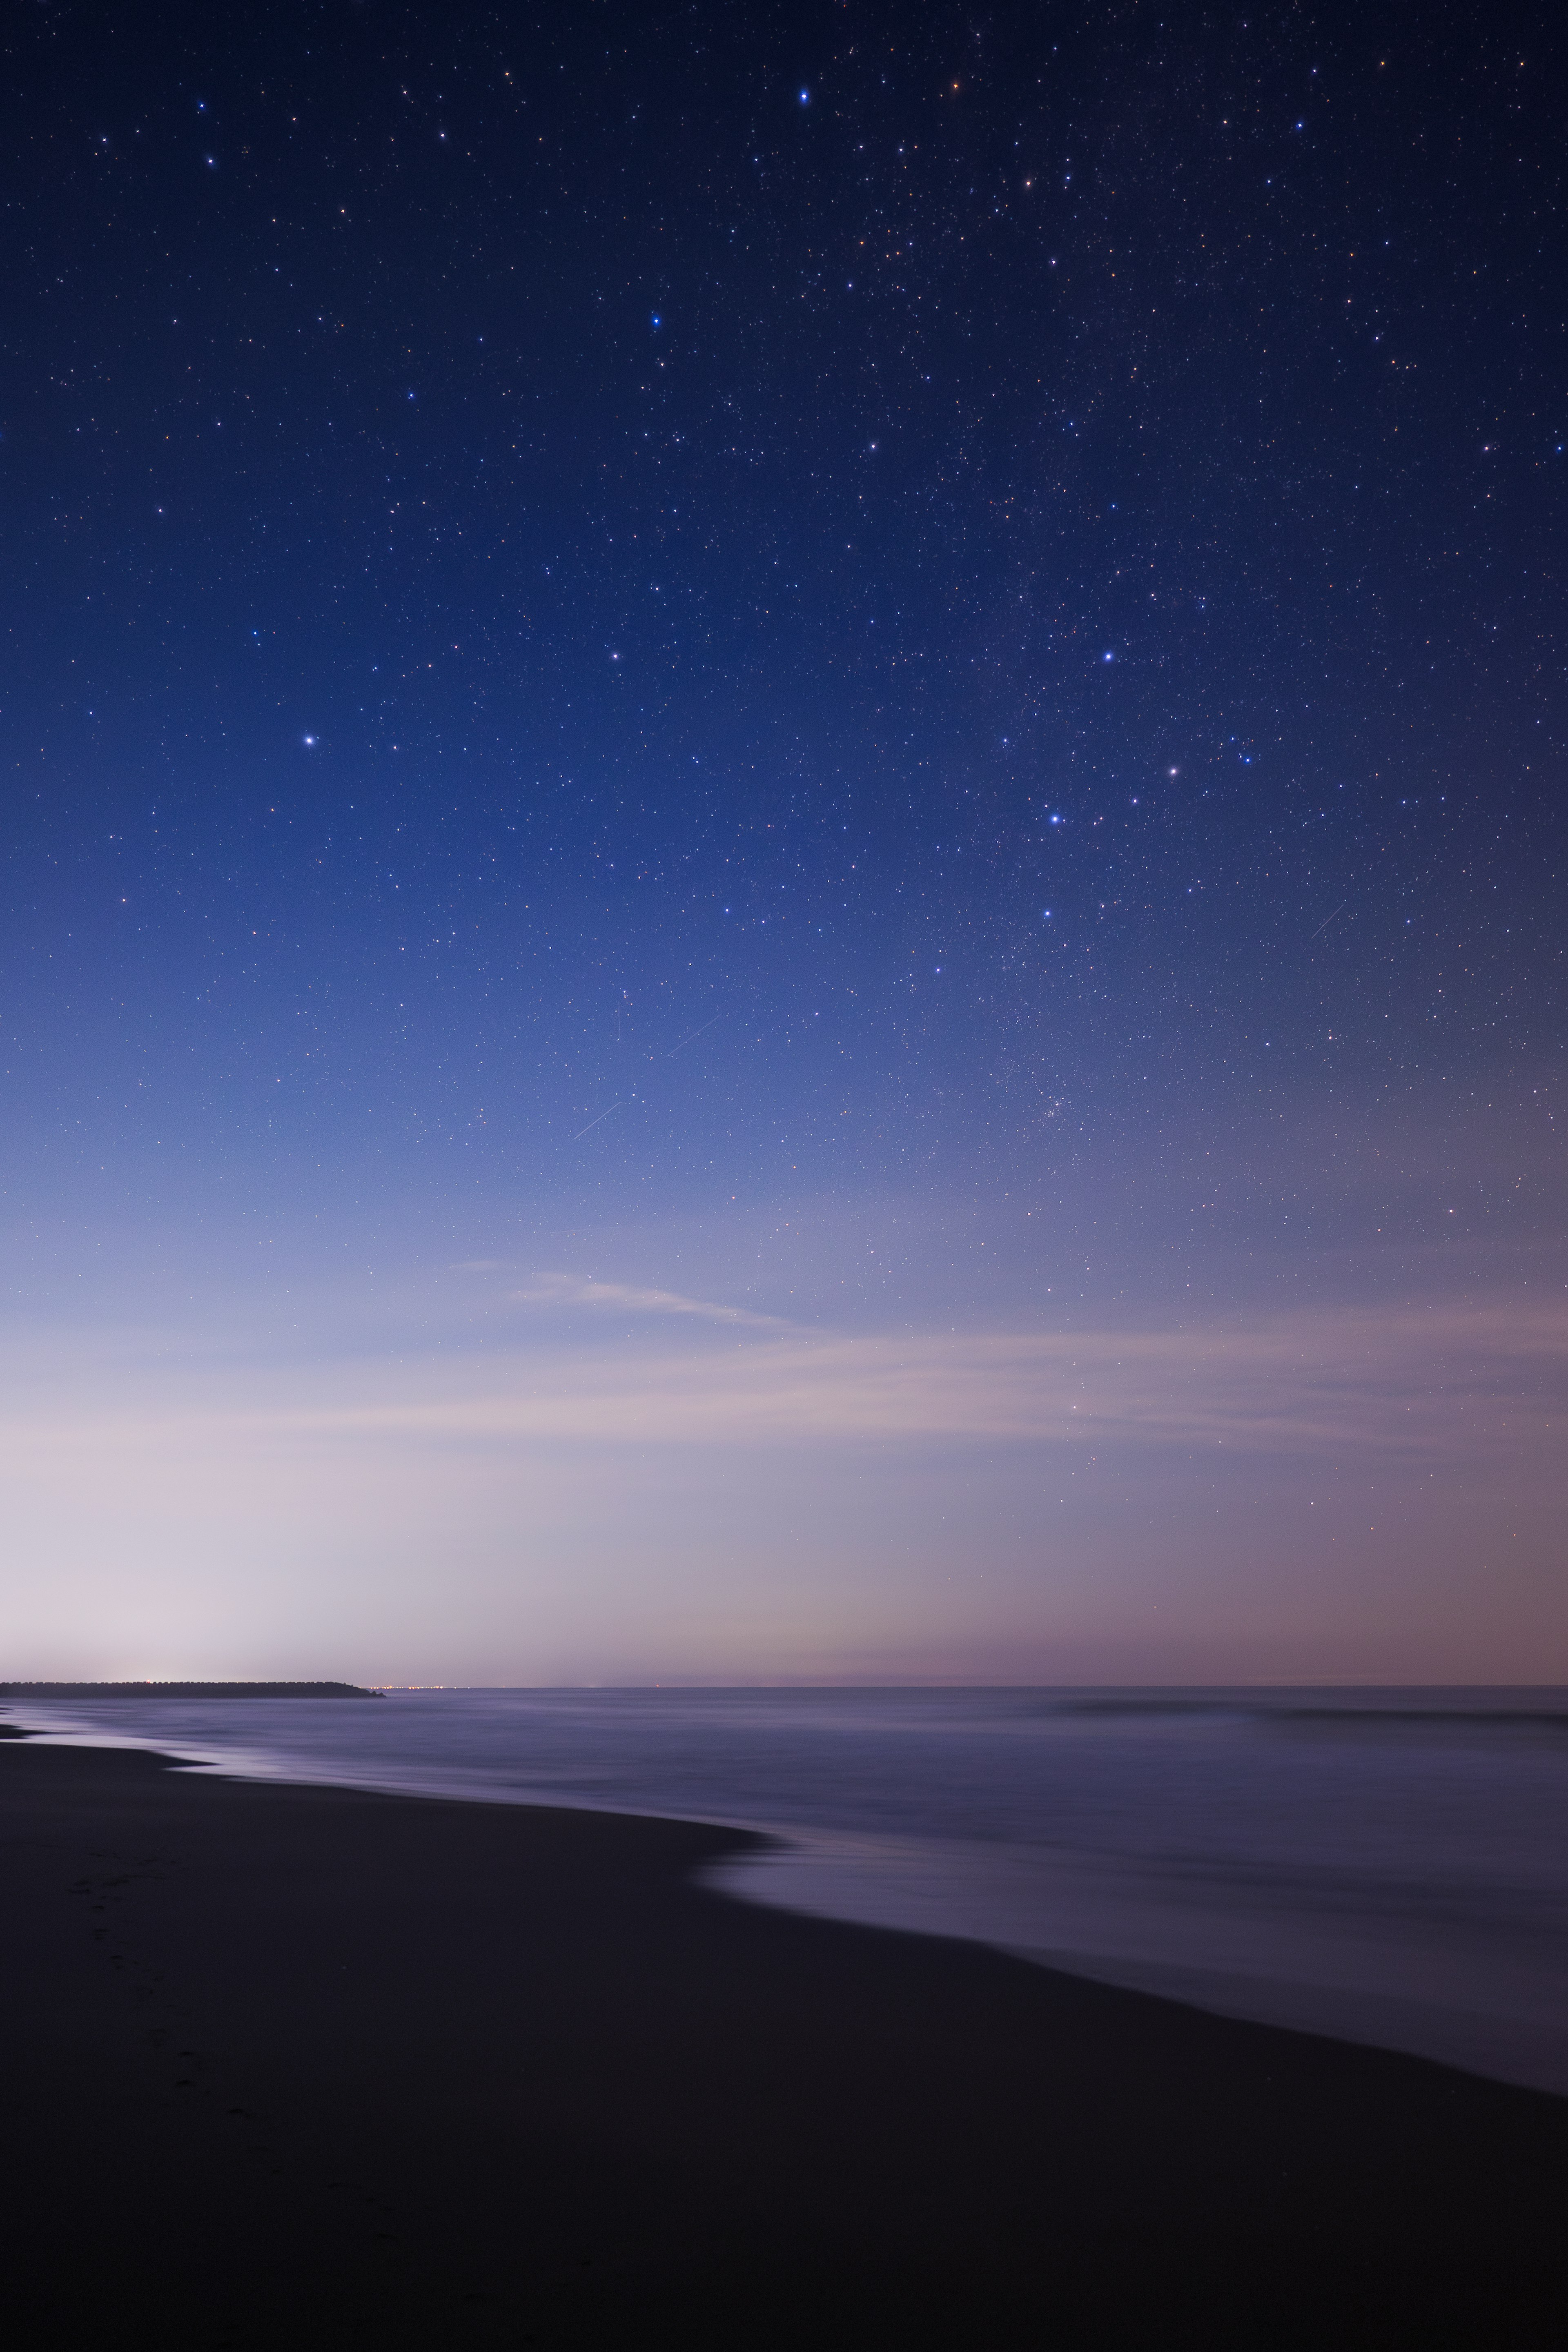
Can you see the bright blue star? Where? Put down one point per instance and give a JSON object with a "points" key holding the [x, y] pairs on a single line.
{"points": [[806, 97]]}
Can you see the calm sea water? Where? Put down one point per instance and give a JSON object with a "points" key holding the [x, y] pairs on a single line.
{"points": [[1390, 1866]]}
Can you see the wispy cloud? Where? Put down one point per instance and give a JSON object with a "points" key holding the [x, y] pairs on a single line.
{"points": [[627, 1299], [1480, 1384]]}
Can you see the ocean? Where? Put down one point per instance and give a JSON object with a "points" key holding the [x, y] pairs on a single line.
{"points": [[1389, 1866]]}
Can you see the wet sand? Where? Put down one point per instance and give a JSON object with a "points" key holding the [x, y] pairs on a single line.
{"points": [[294, 2065]]}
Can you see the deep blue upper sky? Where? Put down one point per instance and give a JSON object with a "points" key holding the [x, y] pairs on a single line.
{"points": [[637, 614], [523, 536]]}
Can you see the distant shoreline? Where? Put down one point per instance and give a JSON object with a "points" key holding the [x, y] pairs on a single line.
{"points": [[185, 1690]]}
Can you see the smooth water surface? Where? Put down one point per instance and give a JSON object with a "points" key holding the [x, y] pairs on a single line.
{"points": [[1390, 1866]]}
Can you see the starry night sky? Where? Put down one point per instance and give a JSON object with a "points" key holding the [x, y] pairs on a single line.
{"points": [[784, 732]]}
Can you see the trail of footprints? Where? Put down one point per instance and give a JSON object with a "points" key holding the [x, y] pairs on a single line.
{"points": [[184, 2070]]}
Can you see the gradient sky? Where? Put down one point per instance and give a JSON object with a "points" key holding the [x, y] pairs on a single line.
{"points": [[783, 844]]}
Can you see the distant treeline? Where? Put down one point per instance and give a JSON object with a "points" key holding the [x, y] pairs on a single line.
{"points": [[184, 1690]]}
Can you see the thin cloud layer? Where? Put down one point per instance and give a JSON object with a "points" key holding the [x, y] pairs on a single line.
{"points": [[625, 1298], [1476, 1381]]}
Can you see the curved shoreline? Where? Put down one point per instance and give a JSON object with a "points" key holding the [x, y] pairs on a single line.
{"points": [[299, 2063], [1422, 1991]]}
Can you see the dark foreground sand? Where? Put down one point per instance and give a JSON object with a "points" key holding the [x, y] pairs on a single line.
{"points": [[292, 2066]]}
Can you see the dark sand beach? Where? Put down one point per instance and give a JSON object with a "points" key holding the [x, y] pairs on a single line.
{"points": [[291, 2064]]}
